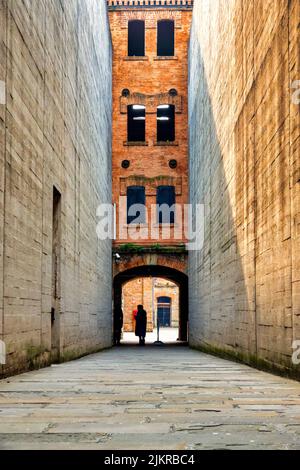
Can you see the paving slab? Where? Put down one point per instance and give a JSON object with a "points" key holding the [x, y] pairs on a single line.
{"points": [[149, 398]]}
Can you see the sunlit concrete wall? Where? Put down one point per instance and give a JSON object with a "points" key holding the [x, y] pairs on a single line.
{"points": [[244, 166], [55, 130]]}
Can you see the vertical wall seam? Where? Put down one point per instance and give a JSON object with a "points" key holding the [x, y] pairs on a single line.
{"points": [[255, 187], [43, 172], [210, 197], [290, 170], [5, 163], [76, 178], [6, 15]]}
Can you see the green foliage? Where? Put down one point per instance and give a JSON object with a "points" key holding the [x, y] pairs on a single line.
{"points": [[131, 247], [155, 248]]}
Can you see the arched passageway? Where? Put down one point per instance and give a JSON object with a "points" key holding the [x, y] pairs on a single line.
{"points": [[164, 272]]}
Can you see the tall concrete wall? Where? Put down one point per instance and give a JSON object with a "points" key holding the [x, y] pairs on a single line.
{"points": [[55, 130], [244, 166]]}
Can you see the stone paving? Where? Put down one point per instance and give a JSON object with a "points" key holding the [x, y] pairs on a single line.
{"points": [[166, 335], [131, 397]]}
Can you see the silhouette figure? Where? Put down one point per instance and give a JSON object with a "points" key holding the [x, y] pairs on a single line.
{"points": [[141, 324], [118, 325]]}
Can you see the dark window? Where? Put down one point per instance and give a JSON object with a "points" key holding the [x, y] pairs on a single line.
{"points": [[166, 123], [164, 300], [136, 210], [164, 311], [165, 202], [165, 38], [136, 123], [136, 38]]}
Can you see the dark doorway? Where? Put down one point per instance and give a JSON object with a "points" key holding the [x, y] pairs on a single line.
{"points": [[164, 311], [56, 261], [164, 272], [136, 38], [165, 38]]}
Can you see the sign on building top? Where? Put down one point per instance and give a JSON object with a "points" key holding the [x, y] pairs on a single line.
{"points": [[151, 4]]}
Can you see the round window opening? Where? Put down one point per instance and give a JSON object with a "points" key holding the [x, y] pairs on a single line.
{"points": [[173, 92], [125, 164], [173, 164]]}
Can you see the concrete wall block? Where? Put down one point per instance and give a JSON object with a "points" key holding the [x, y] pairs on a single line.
{"points": [[58, 133], [243, 285]]}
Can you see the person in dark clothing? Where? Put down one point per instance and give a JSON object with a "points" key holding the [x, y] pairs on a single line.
{"points": [[118, 325], [141, 324]]}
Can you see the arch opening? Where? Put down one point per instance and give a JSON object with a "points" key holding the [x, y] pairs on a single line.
{"points": [[161, 310]]}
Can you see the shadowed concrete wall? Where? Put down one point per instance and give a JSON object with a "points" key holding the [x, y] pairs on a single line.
{"points": [[244, 166], [55, 130]]}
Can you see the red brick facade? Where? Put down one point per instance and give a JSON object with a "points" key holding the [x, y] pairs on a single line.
{"points": [[149, 80], [146, 292]]}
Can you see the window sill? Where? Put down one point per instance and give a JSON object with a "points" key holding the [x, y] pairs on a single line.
{"points": [[166, 57], [135, 144], [136, 57], [166, 144], [135, 225], [165, 225]]}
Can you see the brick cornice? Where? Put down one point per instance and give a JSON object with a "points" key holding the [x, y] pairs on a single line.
{"points": [[149, 4], [151, 184], [150, 101]]}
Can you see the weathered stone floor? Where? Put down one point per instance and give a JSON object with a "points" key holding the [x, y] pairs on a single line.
{"points": [[149, 398]]}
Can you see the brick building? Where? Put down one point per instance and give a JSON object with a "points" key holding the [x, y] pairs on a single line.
{"points": [[159, 297], [150, 137]]}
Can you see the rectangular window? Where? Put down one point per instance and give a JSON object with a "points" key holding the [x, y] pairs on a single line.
{"points": [[165, 38], [136, 116], [165, 201], [166, 123], [136, 38], [136, 201]]}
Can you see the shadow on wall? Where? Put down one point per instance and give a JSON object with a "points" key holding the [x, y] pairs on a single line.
{"points": [[55, 167], [240, 282]]}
